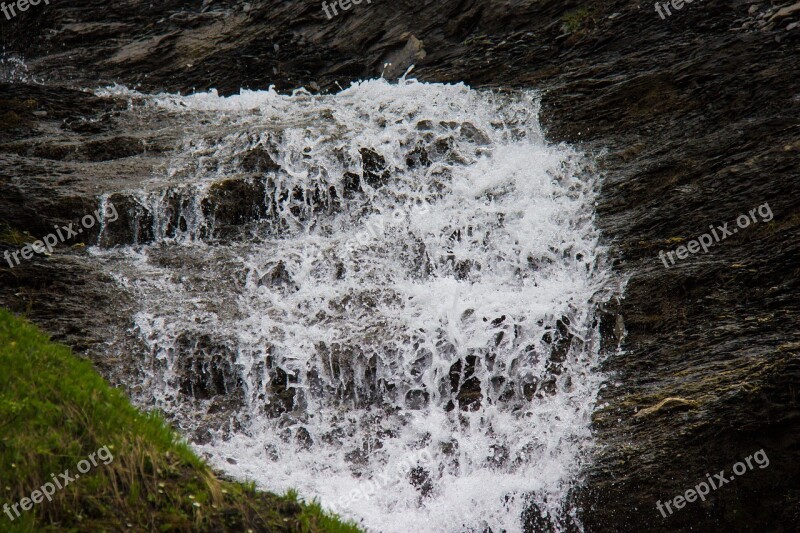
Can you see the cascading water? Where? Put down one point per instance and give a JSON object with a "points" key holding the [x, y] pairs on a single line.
{"points": [[383, 298]]}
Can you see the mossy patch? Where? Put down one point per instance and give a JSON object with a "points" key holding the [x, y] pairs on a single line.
{"points": [[576, 19], [12, 236]]}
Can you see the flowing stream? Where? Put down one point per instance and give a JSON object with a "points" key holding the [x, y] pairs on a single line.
{"points": [[383, 298]]}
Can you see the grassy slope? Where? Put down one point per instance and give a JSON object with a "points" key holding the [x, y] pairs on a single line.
{"points": [[55, 411]]}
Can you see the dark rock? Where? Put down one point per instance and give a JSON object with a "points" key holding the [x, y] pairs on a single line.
{"points": [[303, 439], [465, 385], [207, 367], [417, 399], [235, 202], [282, 394], [258, 160], [421, 479], [374, 168]]}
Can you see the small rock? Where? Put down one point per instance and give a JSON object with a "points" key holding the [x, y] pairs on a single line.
{"points": [[471, 133], [792, 26], [417, 399], [752, 9], [303, 439]]}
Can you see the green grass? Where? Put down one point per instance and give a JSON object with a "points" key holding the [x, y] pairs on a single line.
{"points": [[55, 411], [576, 18]]}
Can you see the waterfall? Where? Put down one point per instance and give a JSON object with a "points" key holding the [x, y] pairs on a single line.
{"points": [[383, 298]]}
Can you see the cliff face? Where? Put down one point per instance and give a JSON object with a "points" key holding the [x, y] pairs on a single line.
{"points": [[694, 120]]}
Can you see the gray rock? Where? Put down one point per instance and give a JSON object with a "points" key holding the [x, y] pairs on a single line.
{"points": [[397, 62], [786, 12]]}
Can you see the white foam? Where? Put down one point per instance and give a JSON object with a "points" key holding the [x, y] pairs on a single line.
{"points": [[383, 294]]}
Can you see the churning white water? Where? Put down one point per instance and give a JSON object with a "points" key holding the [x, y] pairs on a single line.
{"points": [[402, 328]]}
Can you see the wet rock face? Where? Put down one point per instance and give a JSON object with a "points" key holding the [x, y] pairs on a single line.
{"points": [[464, 385], [695, 120], [206, 368]]}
